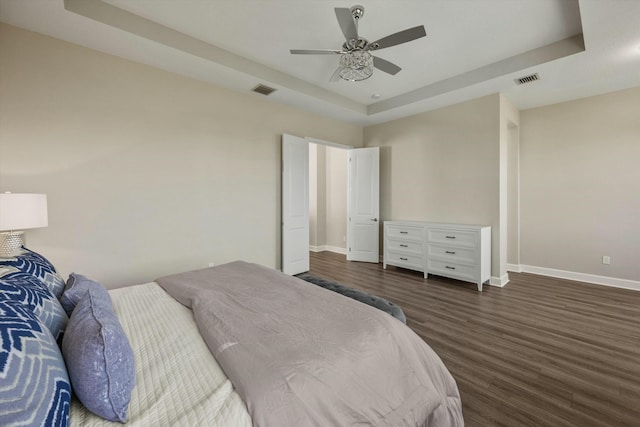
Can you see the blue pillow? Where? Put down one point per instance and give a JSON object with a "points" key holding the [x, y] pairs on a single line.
{"points": [[31, 292], [37, 265], [34, 389], [99, 358], [77, 285]]}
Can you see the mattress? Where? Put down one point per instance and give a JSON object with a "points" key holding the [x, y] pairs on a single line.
{"points": [[178, 381]]}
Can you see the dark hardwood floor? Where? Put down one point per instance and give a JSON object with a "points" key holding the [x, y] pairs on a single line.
{"points": [[538, 352]]}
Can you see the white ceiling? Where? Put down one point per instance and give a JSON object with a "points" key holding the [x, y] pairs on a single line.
{"points": [[473, 47]]}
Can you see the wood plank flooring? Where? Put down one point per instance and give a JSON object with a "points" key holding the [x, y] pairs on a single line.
{"points": [[538, 352]]}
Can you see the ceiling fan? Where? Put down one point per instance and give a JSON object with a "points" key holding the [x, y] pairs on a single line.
{"points": [[356, 60]]}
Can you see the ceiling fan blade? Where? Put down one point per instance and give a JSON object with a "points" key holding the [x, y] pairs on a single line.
{"points": [[346, 22], [336, 76], [386, 66], [398, 38], [314, 51]]}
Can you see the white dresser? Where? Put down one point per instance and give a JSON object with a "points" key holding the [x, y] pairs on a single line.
{"points": [[457, 251]]}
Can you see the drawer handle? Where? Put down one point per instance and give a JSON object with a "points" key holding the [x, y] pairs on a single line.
{"points": [[450, 252], [404, 232], [404, 246], [404, 259], [450, 237], [450, 268]]}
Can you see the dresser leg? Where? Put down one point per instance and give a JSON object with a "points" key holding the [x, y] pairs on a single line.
{"points": [[480, 287]]}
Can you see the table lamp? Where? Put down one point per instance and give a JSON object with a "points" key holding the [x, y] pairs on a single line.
{"points": [[19, 212]]}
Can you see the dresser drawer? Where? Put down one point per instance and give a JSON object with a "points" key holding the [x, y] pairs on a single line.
{"points": [[453, 253], [414, 262], [452, 237], [405, 246], [451, 269], [405, 233]]}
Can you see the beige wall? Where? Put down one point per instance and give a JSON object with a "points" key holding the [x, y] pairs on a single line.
{"points": [[580, 185], [147, 172], [513, 194], [443, 165], [509, 190], [316, 195], [336, 192], [328, 193]]}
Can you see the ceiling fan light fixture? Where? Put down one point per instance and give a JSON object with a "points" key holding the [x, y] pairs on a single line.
{"points": [[356, 65]]}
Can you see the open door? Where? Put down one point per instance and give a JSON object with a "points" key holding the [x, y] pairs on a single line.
{"points": [[363, 205], [295, 205]]}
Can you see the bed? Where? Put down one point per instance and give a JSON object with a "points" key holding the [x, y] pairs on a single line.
{"points": [[178, 381], [241, 344]]}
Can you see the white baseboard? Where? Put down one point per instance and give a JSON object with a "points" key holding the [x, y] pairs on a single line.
{"points": [[329, 248], [572, 275], [499, 281], [516, 268]]}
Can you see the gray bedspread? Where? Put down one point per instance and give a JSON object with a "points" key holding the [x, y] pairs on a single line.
{"points": [[300, 355]]}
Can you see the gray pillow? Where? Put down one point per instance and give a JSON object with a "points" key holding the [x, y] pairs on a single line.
{"points": [[372, 300], [77, 285], [99, 358]]}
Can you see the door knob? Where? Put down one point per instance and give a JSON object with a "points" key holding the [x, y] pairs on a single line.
{"points": [[374, 219]]}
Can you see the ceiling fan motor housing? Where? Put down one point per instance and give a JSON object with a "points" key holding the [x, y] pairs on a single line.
{"points": [[355, 44]]}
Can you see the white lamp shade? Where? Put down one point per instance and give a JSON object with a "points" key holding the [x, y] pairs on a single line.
{"points": [[21, 211]]}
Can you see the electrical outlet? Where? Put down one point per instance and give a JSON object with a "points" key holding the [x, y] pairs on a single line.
{"points": [[606, 259]]}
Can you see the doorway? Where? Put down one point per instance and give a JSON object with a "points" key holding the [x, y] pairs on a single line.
{"points": [[327, 198], [344, 201], [322, 185]]}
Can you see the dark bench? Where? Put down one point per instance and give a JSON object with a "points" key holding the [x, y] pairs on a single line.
{"points": [[372, 300]]}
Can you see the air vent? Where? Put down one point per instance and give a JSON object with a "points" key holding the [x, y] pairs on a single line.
{"points": [[527, 79], [263, 90]]}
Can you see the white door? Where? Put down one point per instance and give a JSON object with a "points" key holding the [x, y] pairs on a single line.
{"points": [[363, 205], [295, 205]]}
